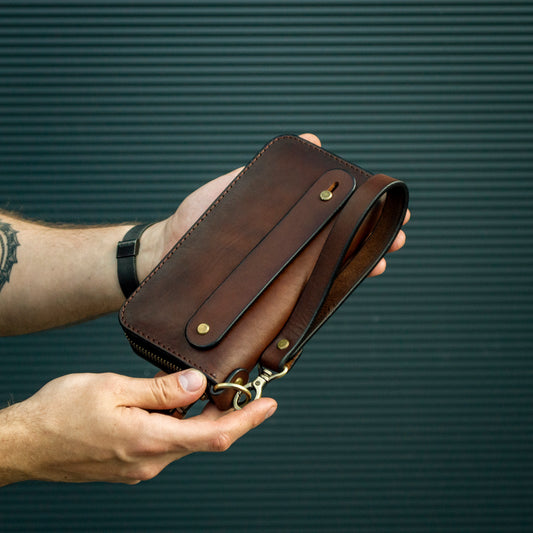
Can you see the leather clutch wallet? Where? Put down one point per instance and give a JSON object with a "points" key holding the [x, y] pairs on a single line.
{"points": [[264, 267]]}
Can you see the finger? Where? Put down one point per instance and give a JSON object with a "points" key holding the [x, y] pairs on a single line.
{"points": [[163, 392], [216, 432], [378, 269], [407, 217], [311, 138], [398, 243], [212, 412]]}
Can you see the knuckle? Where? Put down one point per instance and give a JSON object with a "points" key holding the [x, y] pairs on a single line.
{"points": [[164, 390], [257, 420], [143, 472], [112, 383], [221, 442], [147, 472]]}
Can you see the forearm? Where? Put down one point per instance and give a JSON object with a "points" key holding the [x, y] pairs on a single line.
{"points": [[52, 276], [13, 440]]}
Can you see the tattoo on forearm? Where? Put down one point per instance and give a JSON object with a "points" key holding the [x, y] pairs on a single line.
{"points": [[8, 251]]}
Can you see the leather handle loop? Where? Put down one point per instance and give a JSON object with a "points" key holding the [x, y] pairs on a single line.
{"points": [[341, 266]]}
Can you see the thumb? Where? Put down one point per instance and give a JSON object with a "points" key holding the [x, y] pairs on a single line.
{"points": [[166, 392]]}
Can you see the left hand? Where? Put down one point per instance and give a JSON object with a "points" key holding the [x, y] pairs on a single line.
{"points": [[159, 238]]}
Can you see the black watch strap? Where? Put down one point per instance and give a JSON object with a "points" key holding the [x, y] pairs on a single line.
{"points": [[127, 250]]}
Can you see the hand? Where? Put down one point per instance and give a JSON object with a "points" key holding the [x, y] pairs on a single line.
{"points": [[158, 240], [98, 427], [272, 310]]}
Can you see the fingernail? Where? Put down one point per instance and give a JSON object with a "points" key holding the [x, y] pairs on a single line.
{"points": [[191, 380], [271, 411]]}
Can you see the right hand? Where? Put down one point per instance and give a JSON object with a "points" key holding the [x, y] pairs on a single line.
{"points": [[98, 427]]}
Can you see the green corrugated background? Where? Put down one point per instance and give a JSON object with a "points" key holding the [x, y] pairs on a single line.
{"points": [[412, 410]]}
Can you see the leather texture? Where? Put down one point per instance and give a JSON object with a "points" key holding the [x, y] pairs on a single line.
{"points": [[270, 259]]}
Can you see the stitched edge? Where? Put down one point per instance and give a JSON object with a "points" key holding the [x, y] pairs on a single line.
{"points": [[173, 251], [306, 144]]}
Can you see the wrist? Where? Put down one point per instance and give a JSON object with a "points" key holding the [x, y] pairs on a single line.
{"points": [[15, 446], [151, 249]]}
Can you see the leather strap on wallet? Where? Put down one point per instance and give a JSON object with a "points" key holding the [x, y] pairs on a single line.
{"points": [[264, 267]]}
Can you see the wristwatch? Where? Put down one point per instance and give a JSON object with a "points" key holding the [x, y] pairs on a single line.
{"points": [[127, 250]]}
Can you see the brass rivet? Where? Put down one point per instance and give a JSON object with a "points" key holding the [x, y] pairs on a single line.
{"points": [[326, 195], [202, 328], [283, 344], [239, 381]]}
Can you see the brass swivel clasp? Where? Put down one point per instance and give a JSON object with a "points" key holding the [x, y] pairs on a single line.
{"points": [[258, 384], [244, 393], [266, 376]]}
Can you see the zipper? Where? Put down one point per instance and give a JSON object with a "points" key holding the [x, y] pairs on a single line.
{"points": [[157, 360], [161, 363]]}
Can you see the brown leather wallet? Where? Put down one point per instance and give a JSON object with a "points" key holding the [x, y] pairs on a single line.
{"points": [[264, 267]]}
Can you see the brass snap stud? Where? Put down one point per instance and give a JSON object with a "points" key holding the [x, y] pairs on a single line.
{"points": [[326, 195], [283, 344], [203, 328]]}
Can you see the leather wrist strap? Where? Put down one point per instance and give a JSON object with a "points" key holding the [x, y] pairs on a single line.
{"points": [[337, 272], [127, 250]]}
